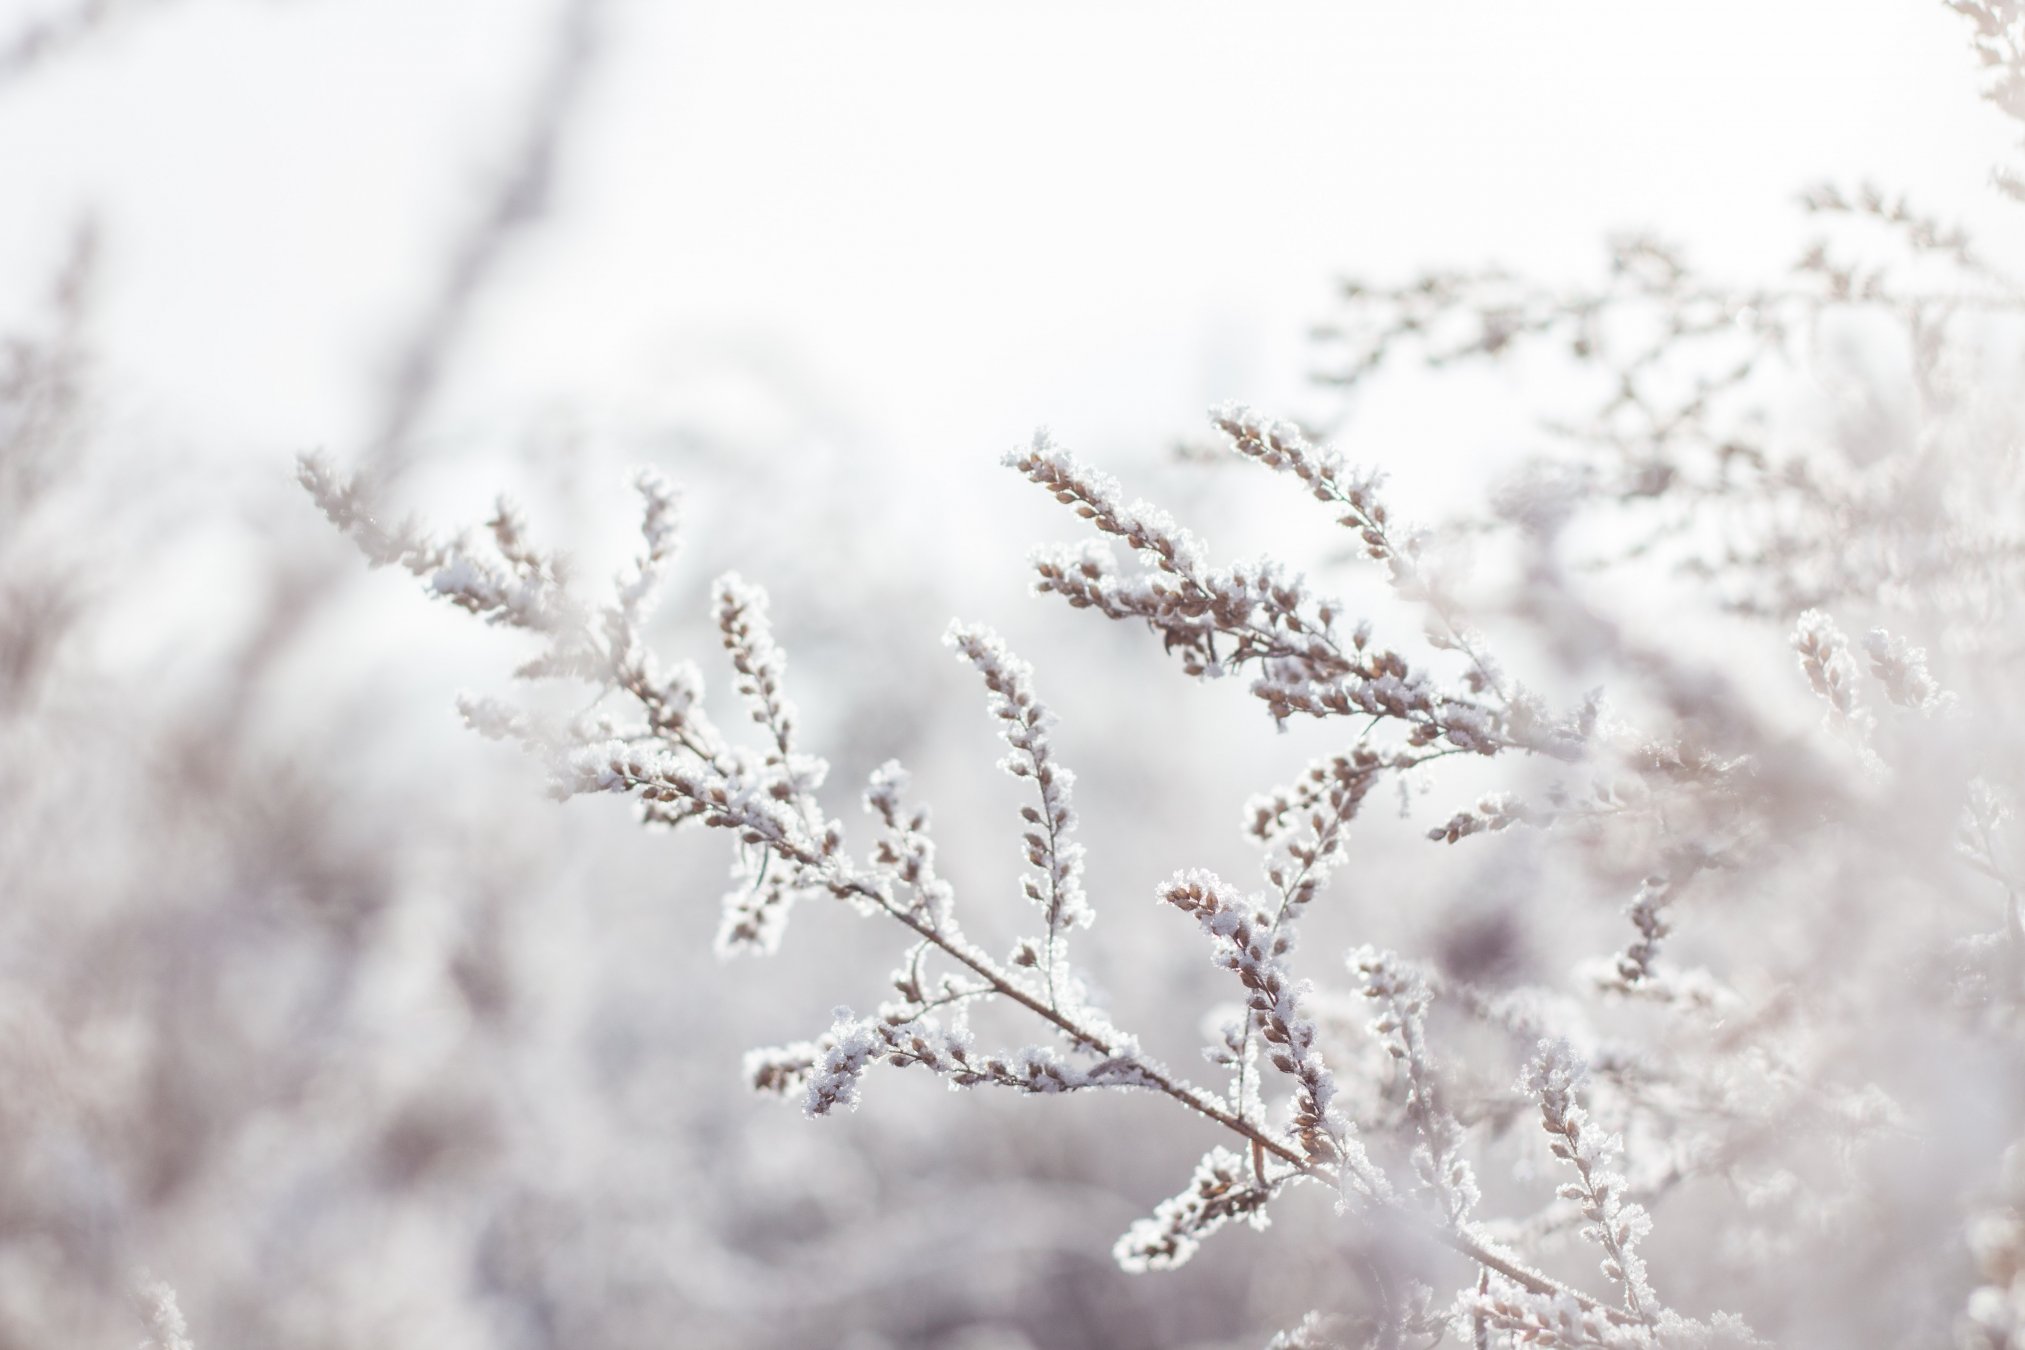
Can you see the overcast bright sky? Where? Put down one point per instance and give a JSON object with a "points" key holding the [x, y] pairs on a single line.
{"points": [[929, 226]]}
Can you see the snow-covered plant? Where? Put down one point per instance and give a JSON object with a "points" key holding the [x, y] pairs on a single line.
{"points": [[1756, 961]]}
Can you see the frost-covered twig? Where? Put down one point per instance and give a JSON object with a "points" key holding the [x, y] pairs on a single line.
{"points": [[1264, 617], [1404, 997], [682, 769], [1616, 1224]]}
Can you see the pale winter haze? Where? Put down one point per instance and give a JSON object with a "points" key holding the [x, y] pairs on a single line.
{"points": [[1087, 676]]}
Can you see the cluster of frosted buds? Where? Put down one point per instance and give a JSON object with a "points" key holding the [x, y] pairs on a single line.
{"points": [[166, 1328], [1095, 497], [1251, 946], [1830, 670], [660, 522], [529, 591], [828, 1071], [1616, 1224], [905, 848], [1497, 811], [1282, 446], [1404, 998], [1556, 1321], [1222, 1189], [1902, 669], [774, 822], [1056, 884], [1257, 612], [832, 1079], [1648, 914], [1302, 827], [755, 657]]}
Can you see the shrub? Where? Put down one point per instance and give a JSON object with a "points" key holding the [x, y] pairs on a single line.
{"points": [[1764, 877]]}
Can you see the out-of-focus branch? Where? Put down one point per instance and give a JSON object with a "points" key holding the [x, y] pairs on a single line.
{"points": [[517, 202], [58, 33]]}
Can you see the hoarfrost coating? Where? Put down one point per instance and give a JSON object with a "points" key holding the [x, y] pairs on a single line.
{"points": [[1666, 993]]}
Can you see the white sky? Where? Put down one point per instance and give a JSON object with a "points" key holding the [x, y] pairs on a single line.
{"points": [[933, 225]]}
